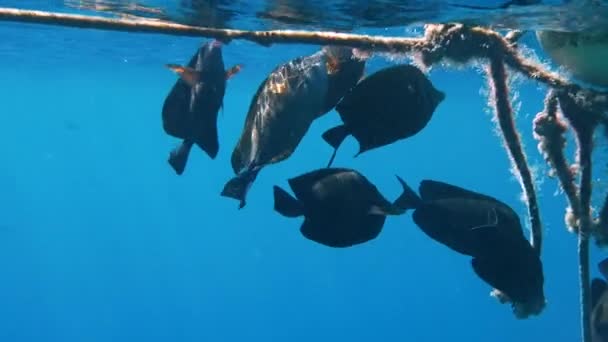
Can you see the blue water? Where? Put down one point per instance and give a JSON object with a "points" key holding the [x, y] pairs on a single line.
{"points": [[101, 241]]}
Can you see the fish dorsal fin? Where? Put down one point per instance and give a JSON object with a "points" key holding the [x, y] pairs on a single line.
{"points": [[492, 220], [233, 71], [306, 185], [434, 190], [187, 74]]}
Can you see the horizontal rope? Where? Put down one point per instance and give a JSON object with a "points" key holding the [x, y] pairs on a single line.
{"points": [[265, 38], [401, 45]]}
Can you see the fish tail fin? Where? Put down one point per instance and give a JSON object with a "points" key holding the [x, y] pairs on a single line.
{"points": [[179, 156], [334, 137], [233, 71], [409, 199], [285, 204], [238, 187], [187, 74]]}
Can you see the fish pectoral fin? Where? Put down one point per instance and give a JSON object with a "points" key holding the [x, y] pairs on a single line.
{"points": [[492, 220], [187, 74], [179, 156], [376, 210], [233, 71], [238, 187], [487, 233], [482, 226]]}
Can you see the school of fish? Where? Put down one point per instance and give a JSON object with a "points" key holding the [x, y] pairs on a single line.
{"points": [[340, 207]]}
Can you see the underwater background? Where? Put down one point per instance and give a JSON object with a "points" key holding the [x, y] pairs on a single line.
{"points": [[101, 241]]}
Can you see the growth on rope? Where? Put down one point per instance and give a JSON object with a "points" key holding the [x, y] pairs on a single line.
{"points": [[550, 129]]}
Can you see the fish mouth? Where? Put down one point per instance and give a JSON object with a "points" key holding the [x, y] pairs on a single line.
{"points": [[216, 44]]}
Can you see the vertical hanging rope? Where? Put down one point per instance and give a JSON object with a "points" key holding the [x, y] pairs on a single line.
{"points": [[504, 116], [584, 121], [583, 234]]}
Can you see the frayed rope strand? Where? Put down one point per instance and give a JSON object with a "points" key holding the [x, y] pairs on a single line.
{"points": [[504, 115], [549, 131]]}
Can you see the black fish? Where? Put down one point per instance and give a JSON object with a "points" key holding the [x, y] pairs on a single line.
{"points": [[392, 104], [190, 110], [462, 219], [486, 229], [341, 207], [599, 302], [284, 107]]}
